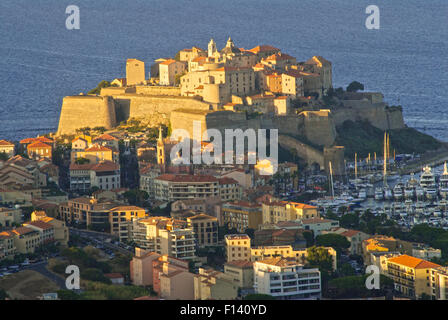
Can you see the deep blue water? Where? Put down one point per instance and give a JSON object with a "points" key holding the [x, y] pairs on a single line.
{"points": [[41, 61]]}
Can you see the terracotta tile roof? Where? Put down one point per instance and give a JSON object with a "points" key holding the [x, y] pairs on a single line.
{"points": [[201, 216], [240, 264], [40, 224], [350, 233], [96, 148], [168, 62], [5, 143], [227, 180], [105, 137], [105, 166], [279, 262], [279, 57], [199, 59], [22, 230], [186, 178], [38, 144], [134, 208], [263, 48], [412, 262]]}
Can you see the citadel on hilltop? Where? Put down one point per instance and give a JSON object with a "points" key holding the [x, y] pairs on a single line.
{"points": [[235, 88]]}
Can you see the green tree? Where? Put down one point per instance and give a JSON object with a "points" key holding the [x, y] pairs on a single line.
{"points": [[319, 257], [136, 197], [102, 84], [336, 241], [355, 86]]}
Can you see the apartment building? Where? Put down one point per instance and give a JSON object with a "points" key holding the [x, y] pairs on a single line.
{"points": [[277, 211], [85, 210], [300, 255], [237, 247], [241, 215], [141, 267], [172, 279], [61, 233], [413, 277], [168, 70], [26, 240], [241, 272], [210, 284], [284, 278], [229, 189], [9, 217], [39, 150], [164, 236], [172, 187], [7, 246], [120, 220], [45, 230], [104, 175], [355, 238], [319, 225], [205, 229]]}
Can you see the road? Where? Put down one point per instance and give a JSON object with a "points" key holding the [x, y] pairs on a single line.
{"points": [[101, 237]]}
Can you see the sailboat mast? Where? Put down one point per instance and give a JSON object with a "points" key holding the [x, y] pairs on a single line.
{"points": [[356, 166], [331, 180], [385, 160]]}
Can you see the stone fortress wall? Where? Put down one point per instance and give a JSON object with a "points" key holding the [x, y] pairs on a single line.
{"points": [[86, 111], [164, 105]]}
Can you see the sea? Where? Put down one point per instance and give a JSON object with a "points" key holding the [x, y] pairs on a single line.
{"points": [[41, 61]]}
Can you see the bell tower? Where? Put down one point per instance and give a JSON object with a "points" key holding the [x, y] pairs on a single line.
{"points": [[160, 148], [211, 48]]}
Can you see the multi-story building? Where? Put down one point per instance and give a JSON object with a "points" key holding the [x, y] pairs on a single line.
{"points": [[39, 150], [205, 229], [425, 252], [120, 220], [210, 284], [237, 247], [10, 217], [168, 70], [95, 153], [164, 236], [89, 211], [7, 148], [277, 211], [172, 187], [229, 189], [172, 279], [381, 243], [46, 230], [7, 246], [300, 255], [355, 238], [242, 215], [319, 225], [26, 240], [284, 278], [61, 233], [413, 277], [140, 266], [106, 140], [241, 272]]}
